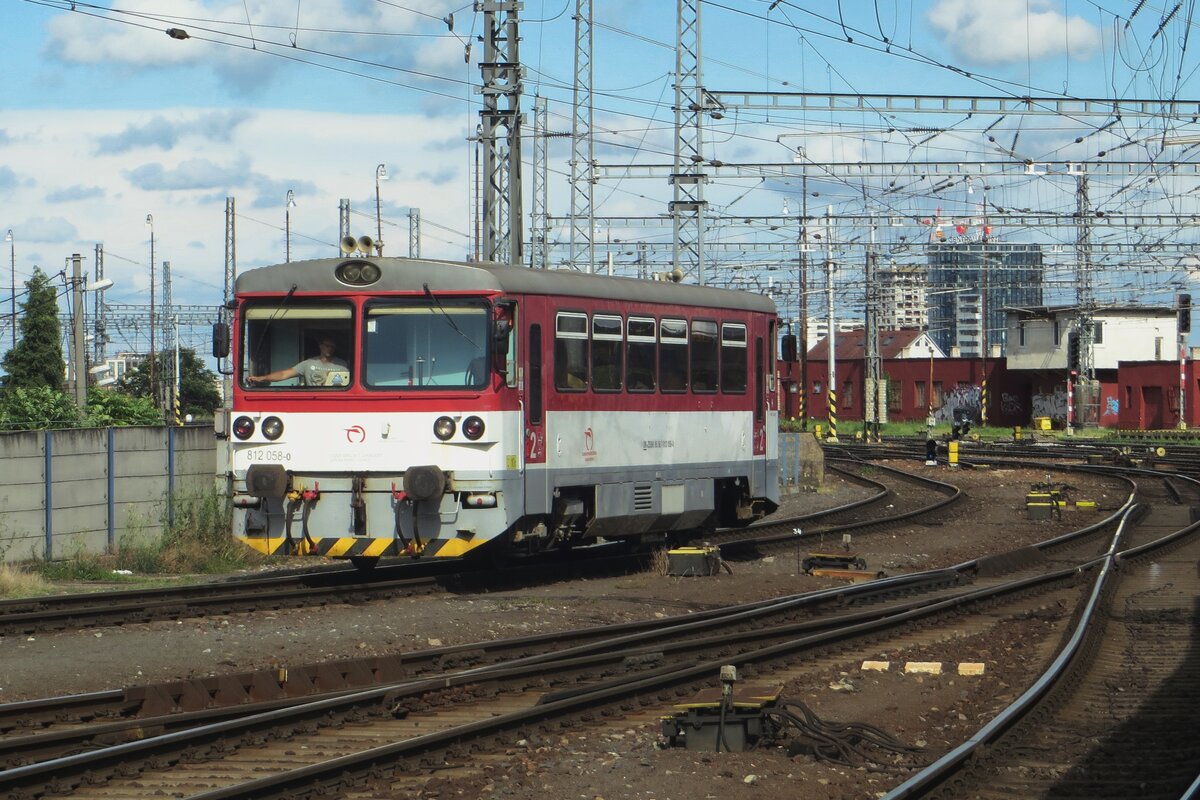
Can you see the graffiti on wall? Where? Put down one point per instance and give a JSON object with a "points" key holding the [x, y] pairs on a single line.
{"points": [[1011, 406], [1111, 407], [961, 401], [1051, 404]]}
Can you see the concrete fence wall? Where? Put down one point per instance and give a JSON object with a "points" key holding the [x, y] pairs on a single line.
{"points": [[83, 490], [66, 491]]}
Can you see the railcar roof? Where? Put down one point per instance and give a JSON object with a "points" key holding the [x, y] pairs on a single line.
{"points": [[412, 275]]}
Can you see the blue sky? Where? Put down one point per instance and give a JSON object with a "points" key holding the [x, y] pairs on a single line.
{"points": [[104, 118]]}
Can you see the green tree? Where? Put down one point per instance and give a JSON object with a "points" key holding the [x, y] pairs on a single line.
{"points": [[34, 408], [106, 407], [198, 393], [37, 359]]}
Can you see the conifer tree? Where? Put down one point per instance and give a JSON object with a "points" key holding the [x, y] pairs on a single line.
{"points": [[37, 359]]}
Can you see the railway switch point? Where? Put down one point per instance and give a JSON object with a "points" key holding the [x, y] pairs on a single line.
{"points": [[725, 719], [832, 561]]}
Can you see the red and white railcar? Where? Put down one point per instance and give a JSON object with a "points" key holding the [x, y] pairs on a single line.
{"points": [[480, 404]]}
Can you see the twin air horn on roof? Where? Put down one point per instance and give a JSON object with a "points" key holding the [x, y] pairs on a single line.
{"points": [[363, 244]]}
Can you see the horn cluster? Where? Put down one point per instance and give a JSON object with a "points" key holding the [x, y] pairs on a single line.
{"points": [[363, 244]]}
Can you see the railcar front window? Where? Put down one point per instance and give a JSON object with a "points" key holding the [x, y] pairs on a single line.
{"points": [[297, 344], [423, 345]]}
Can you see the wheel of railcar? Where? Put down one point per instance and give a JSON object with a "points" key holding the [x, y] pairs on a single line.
{"points": [[364, 564]]}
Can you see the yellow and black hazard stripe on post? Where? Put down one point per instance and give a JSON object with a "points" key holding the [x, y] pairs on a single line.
{"points": [[833, 408], [983, 404], [177, 418]]}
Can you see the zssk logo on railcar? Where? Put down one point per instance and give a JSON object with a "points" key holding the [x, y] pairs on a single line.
{"points": [[589, 445]]}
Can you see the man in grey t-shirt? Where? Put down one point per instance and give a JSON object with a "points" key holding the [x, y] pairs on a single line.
{"points": [[312, 371]]}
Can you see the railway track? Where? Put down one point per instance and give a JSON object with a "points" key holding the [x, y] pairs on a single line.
{"points": [[341, 584], [502, 697], [1114, 715]]}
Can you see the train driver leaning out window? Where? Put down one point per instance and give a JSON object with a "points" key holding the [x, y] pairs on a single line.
{"points": [[324, 369]]}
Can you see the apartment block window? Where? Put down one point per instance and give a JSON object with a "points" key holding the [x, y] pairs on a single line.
{"points": [[1097, 333], [1021, 333]]}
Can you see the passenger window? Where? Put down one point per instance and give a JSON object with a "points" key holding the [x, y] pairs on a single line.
{"points": [[570, 352], [673, 355], [607, 356], [733, 358], [704, 356], [642, 355]]}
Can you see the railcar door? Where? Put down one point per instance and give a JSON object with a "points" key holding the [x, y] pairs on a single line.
{"points": [[537, 479], [760, 398]]}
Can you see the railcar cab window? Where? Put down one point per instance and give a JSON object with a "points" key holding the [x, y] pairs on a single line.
{"points": [[607, 358], [571, 352], [673, 355], [642, 355], [290, 344], [426, 343]]}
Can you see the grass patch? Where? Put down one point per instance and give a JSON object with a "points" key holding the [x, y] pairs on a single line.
{"points": [[198, 541], [20, 582]]}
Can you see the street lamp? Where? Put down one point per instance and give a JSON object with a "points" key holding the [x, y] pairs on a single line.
{"points": [[153, 382], [287, 224], [12, 251], [380, 175]]}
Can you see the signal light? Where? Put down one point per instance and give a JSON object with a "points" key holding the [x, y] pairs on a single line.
{"points": [[473, 427], [1184, 313], [1073, 352], [243, 428]]}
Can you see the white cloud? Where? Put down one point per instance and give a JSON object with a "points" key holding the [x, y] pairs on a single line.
{"points": [[195, 173], [1004, 31], [224, 35], [165, 134], [322, 157], [73, 193]]}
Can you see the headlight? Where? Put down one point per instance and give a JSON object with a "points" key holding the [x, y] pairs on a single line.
{"points": [[472, 428], [243, 427], [358, 272], [272, 428], [443, 428]]}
